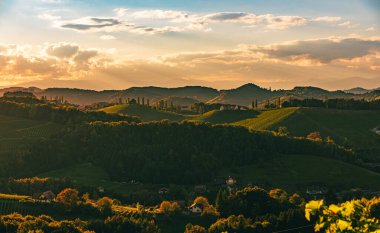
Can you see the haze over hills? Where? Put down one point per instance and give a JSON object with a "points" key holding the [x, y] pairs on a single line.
{"points": [[243, 95]]}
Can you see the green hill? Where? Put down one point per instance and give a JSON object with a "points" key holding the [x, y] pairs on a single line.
{"points": [[346, 127], [16, 134], [143, 112], [296, 172], [267, 119], [225, 116], [291, 172]]}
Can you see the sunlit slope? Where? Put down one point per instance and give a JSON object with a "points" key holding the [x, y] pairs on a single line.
{"points": [[267, 119], [143, 112], [346, 127], [225, 116]]}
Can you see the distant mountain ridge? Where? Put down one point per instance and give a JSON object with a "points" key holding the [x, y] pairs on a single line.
{"points": [[243, 95]]}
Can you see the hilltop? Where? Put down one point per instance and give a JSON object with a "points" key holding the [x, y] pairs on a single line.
{"points": [[243, 95], [143, 112]]}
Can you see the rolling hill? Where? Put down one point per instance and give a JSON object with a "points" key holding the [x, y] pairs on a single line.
{"points": [[243, 95], [16, 133], [266, 119], [346, 127], [225, 116], [143, 112], [296, 172]]}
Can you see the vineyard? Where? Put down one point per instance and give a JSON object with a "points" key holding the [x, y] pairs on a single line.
{"points": [[25, 205], [267, 119]]}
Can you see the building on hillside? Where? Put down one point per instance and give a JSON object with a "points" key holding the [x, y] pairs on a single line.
{"points": [[100, 189], [232, 107], [230, 181], [316, 193], [45, 196], [163, 191], [185, 107], [195, 208], [200, 188]]}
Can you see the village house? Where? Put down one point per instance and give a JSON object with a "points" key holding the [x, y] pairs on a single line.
{"points": [[196, 208], [163, 191], [45, 196], [185, 107], [315, 193], [230, 181], [200, 188]]}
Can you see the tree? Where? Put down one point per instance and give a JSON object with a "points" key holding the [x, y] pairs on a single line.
{"points": [[283, 131], [202, 201], [195, 229], [104, 205], [296, 199], [349, 217], [69, 198], [168, 207], [278, 194]]}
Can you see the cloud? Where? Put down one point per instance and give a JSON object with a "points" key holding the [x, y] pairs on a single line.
{"points": [[370, 29], [327, 19], [120, 12], [48, 17], [308, 53], [282, 65], [348, 24], [159, 14], [96, 24], [62, 50], [324, 50], [164, 21], [107, 37], [55, 61], [268, 20]]}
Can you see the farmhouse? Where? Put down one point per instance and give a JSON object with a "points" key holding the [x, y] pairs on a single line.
{"points": [[163, 191], [196, 208], [230, 181], [46, 196], [185, 107]]}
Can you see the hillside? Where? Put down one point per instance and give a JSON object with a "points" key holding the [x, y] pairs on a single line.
{"points": [[243, 95], [266, 119], [296, 172], [143, 112], [225, 116], [16, 133], [346, 127], [193, 92]]}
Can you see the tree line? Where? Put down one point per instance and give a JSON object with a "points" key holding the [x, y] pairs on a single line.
{"points": [[29, 108], [349, 104]]}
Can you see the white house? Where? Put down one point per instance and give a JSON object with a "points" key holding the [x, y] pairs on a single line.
{"points": [[185, 107], [196, 208], [230, 181]]}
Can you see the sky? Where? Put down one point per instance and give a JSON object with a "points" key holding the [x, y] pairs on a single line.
{"points": [[117, 44]]}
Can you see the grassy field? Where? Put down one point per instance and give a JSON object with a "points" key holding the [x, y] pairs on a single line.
{"points": [[267, 119], [16, 133], [143, 112], [346, 127], [295, 172]]}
